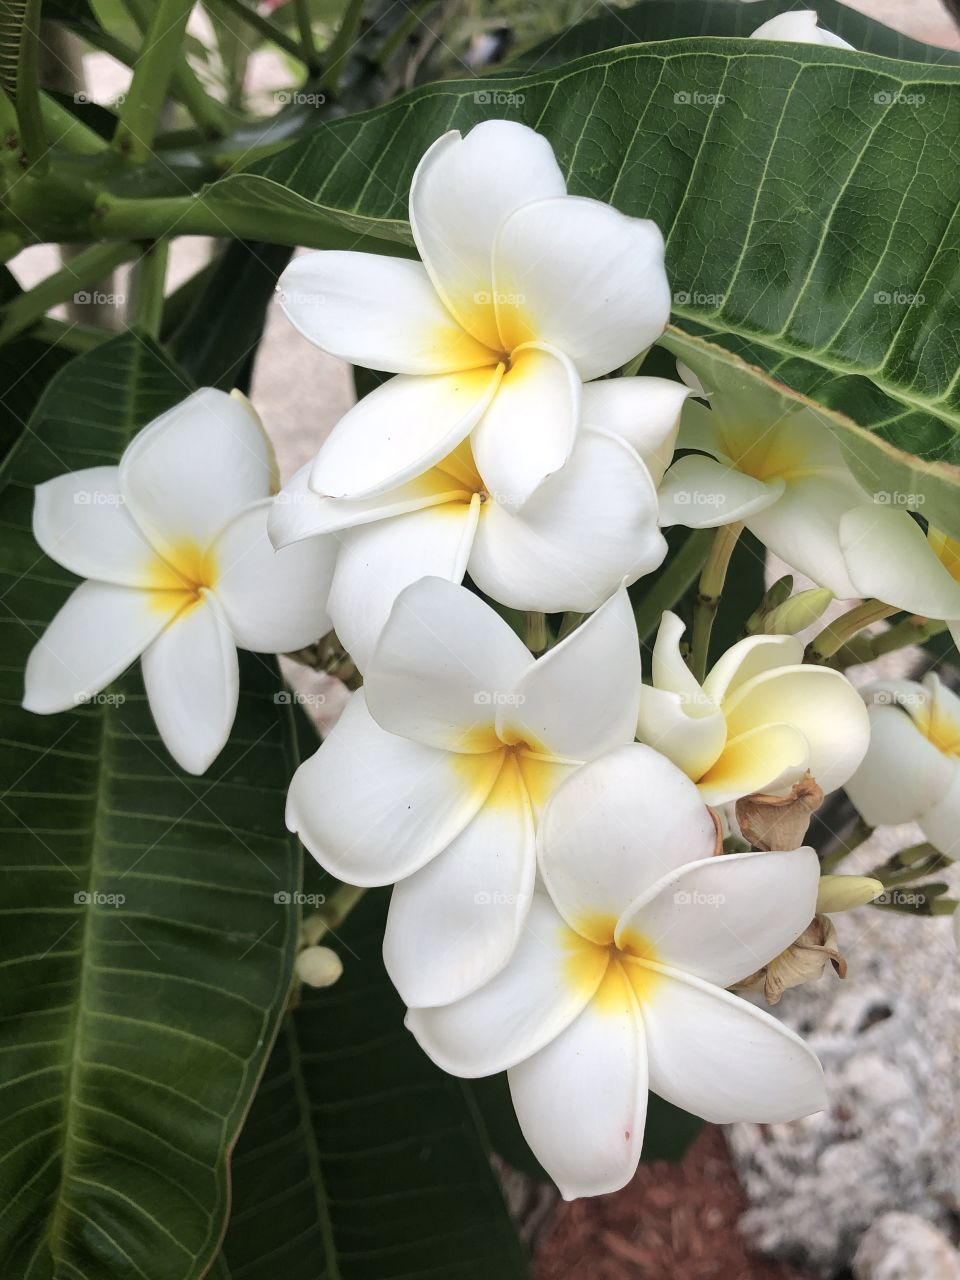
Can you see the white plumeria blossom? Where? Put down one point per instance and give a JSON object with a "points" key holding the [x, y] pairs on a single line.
{"points": [[890, 559], [588, 528], [787, 481], [911, 773], [798, 27], [180, 573], [523, 294], [617, 983], [760, 720], [436, 772]]}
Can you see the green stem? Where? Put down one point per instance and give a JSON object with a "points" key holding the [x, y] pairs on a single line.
{"points": [[159, 51], [908, 631], [535, 634], [305, 27], [178, 76], [66, 131], [341, 45], [148, 285], [335, 911], [569, 623], [836, 635], [88, 267], [270, 31], [33, 137], [673, 583], [708, 596], [843, 845]]}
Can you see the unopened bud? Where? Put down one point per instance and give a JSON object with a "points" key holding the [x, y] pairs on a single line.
{"points": [[797, 613], [840, 893], [318, 966], [803, 961], [776, 595]]}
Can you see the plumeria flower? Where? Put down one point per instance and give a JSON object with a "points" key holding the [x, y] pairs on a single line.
{"points": [[437, 770], [911, 773], [589, 527], [786, 480], [524, 293], [798, 27], [890, 559], [180, 573], [761, 719], [617, 984]]}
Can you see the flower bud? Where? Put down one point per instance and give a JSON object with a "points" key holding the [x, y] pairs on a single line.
{"points": [[797, 613], [774, 596], [840, 893], [318, 966]]}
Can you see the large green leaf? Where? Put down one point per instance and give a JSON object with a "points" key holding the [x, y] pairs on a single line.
{"points": [[672, 19], [808, 196], [145, 961], [360, 1159]]}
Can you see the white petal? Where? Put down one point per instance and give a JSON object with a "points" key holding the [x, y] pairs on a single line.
{"points": [[461, 193], [768, 758], [377, 561], [193, 468], [799, 27], [455, 923], [903, 775], [583, 277], [379, 312], [721, 919], [643, 411], [274, 600], [941, 822], [718, 1057], [803, 527], [613, 829], [748, 658], [400, 430], [670, 672], [373, 807], [582, 1100], [586, 529], [95, 636], [890, 559], [550, 977], [444, 663], [529, 429], [822, 704], [193, 682], [692, 742], [297, 512], [701, 493], [581, 697], [81, 521]]}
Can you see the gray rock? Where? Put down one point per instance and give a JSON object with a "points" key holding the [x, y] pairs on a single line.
{"points": [[901, 1246], [889, 1040]]}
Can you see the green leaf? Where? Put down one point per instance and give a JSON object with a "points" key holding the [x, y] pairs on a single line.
{"points": [[137, 1018], [26, 366], [672, 19], [217, 339], [360, 1159], [797, 186]]}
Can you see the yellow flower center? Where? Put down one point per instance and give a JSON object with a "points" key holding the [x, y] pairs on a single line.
{"points": [[611, 971], [947, 551], [185, 571]]}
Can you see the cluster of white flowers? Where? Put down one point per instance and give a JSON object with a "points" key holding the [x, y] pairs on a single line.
{"points": [[560, 910]]}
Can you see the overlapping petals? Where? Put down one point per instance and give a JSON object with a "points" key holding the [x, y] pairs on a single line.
{"points": [[761, 719], [798, 27], [616, 984], [911, 772], [437, 772], [180, 570], [586, 529], [786, 480], [523, 294]]}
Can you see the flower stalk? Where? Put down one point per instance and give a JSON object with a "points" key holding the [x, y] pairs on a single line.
{"points": [[836, 635], [708, 596]]}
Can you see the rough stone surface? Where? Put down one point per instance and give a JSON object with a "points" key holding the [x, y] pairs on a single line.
{"points": [[901, 1246], [889, 1040]]}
